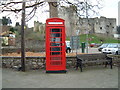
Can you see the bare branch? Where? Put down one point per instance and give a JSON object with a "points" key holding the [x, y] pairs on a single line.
{"points": [[31, 16], [79, 7], [5, 7]]}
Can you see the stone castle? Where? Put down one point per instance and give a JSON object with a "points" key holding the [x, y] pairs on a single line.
{"points": [[95, 25], [102, 25]]}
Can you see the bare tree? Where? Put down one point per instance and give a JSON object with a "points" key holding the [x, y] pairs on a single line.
{"points": [[15, 7], [32, 6]]}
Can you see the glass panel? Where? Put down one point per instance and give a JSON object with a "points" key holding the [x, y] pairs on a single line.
{"points": [[55, 39], [55, 53], [56, 44], [55, 58], [55, 34], [55, 49], [112, 46], [55, 30]]}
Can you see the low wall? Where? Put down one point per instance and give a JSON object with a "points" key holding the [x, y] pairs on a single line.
{"points": [[39, 62], [32, 62]]}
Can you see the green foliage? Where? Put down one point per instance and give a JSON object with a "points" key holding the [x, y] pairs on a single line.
{"points": [[68, 38], [6, 21], [92, 38], [13, 29], [33, 35]]}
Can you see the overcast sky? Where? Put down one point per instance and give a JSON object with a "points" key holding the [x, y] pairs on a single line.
{"points": [[110, 10]]}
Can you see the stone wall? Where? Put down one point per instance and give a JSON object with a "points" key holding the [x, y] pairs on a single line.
{"points": [[33, 63], [97, 25], [105, 25], [38, 26]]}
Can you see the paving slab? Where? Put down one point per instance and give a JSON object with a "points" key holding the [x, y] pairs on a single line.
{"points": [[91, 77]]}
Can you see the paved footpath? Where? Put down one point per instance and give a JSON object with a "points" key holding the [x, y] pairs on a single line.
{"points": [[0, 78], [92, 77]]}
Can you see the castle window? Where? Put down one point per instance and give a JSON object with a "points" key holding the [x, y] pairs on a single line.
{"points": [[107, 25], [100, 27]]}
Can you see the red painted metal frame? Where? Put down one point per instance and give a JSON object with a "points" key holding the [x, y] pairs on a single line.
{"points": [[55, 62]]}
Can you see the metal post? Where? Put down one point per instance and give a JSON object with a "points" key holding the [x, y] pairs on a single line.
{"points": [[87, 42], [22, 38], [87, 28], [77, 34], [76, 45]]}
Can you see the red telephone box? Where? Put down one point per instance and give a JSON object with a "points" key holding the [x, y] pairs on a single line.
{"points": [[55, 45]]}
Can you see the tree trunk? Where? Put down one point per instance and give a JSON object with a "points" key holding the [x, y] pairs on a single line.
{"points": [[53, 9]]}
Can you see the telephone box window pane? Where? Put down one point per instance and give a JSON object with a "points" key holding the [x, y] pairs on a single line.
{"points": [[55, 53], [55, 39], [55, 30], [55, 58], [56, 44], [55, 49], [55, 34], [53, 44]]}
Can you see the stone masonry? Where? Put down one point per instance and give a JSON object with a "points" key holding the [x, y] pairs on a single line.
{"points": [[96, 25]]}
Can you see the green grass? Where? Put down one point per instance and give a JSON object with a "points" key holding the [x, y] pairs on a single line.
{"points": [[97, 39], [92, 38]]}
